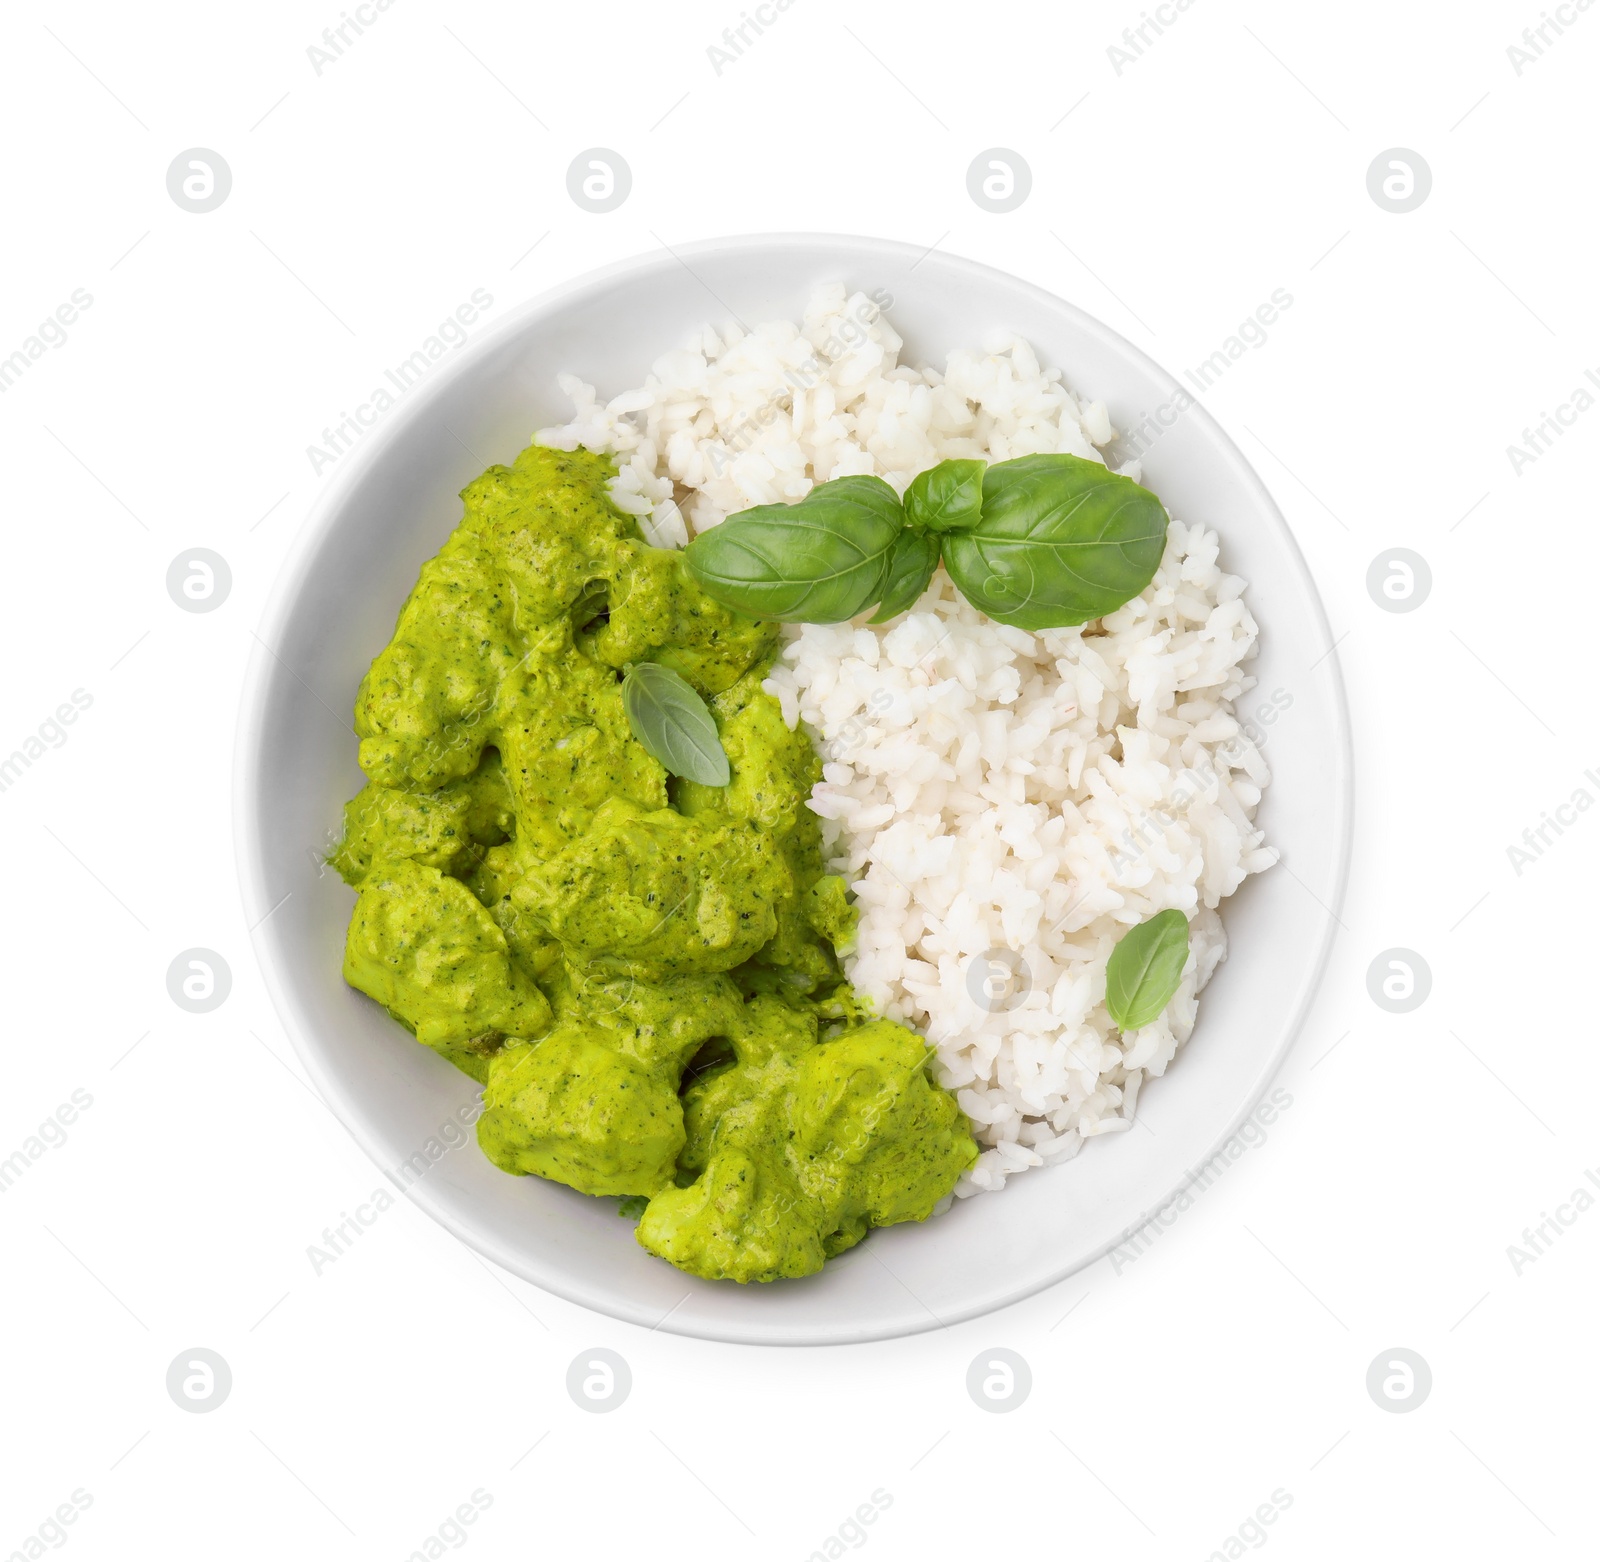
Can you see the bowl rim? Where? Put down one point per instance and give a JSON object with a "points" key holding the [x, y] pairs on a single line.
{"points": [[321, 518]]}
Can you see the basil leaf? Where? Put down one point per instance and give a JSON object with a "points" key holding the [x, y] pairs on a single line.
{"points": [[1145, 968], [1061, 540], [673, 724], [911, 566], [947, 497], [817, 562]]}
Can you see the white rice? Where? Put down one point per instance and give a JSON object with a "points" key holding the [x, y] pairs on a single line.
{"points": [[1004, 805]]}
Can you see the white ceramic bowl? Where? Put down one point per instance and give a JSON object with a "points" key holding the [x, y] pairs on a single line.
{"points": [[335, 608]]}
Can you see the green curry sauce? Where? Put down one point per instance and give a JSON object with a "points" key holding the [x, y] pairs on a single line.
{"points": [[642, 971]]}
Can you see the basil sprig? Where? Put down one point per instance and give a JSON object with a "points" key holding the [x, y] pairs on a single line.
{"points": [[817, 562], [1145, 969], [947, 497], [1040, 542], [911, 566], [1061, 540], [674, 724]]}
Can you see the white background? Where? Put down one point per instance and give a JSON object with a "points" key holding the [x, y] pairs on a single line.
{"points": [[1171, 1395]]}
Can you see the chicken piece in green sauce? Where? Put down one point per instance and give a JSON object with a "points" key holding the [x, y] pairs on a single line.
{"points": [[642, 971]]}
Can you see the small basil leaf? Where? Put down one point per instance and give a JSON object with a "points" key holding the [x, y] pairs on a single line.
{"points": [[1145, 968], [817, 562], [911, 567], [673, 724], [947, 497], [1061, 541]]}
